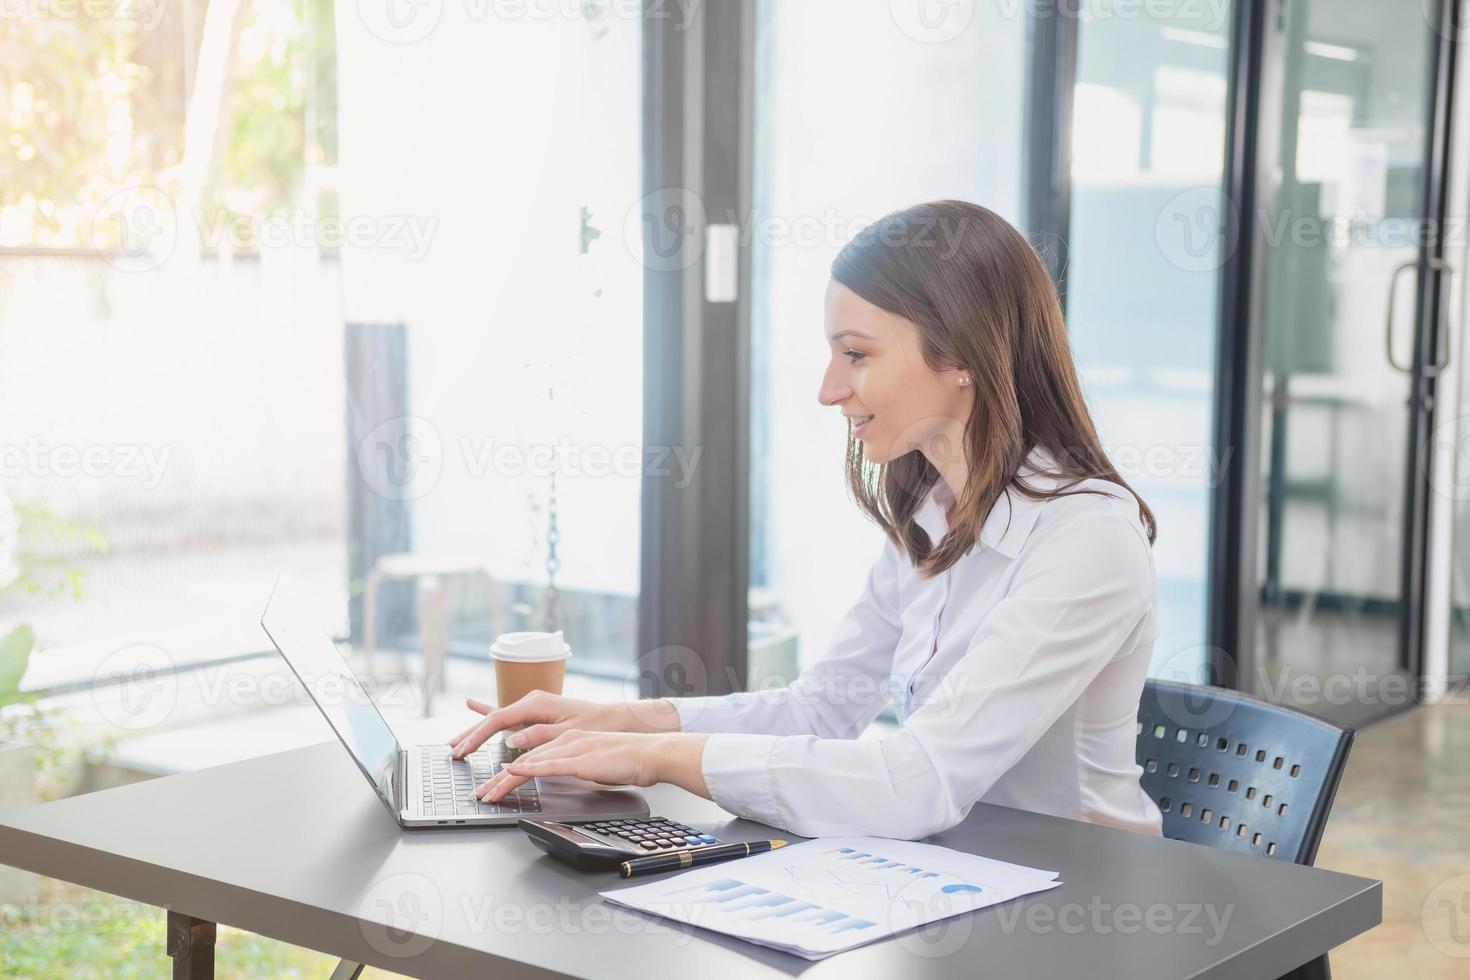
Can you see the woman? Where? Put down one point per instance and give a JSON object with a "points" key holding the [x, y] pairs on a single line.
{"points": [[1009, 619]]}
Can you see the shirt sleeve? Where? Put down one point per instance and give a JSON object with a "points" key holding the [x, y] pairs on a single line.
{"points": [[1082, 592], [838, 696]]}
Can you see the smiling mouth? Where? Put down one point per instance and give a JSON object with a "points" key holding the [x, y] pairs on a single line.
{"points": [[859, 421]]}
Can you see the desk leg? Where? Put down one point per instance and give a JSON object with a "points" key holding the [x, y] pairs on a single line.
{"points": [[191, 944], [1318, 969]]}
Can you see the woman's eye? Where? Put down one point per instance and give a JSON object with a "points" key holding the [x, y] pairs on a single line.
{"points": [[854, 355]]}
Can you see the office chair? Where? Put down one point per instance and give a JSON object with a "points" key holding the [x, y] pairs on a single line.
{"points": [[1233, 772], [1230, 771]]}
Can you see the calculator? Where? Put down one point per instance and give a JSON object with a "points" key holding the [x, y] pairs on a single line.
{"points": [[601, 844]]}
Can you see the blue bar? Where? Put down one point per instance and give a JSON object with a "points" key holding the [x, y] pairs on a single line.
{"points": [[798, 907], [755, 901], [741, 893]]}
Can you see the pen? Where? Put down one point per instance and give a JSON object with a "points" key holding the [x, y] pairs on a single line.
{"points": [[695, 857]]}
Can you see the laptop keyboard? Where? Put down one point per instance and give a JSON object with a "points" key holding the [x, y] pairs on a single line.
{"points": [[450, 784]]}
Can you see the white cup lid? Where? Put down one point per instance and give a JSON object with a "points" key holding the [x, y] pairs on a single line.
{"points": [[530, 647]]}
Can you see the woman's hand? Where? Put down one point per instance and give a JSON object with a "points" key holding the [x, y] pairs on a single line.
{"points": [[611, 758], [549, 715]]}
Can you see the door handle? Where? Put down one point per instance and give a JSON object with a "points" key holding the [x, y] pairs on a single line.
{"points": [[1441, 326], [1393, 288]]}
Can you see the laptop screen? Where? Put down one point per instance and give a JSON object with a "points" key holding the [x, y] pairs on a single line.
{"points": [[349, 709]]}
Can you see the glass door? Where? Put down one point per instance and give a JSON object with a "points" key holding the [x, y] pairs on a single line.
{"points": [[1345, 356]]}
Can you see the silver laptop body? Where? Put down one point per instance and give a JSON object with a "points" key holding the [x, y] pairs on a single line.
{"points": [[423, 787]]}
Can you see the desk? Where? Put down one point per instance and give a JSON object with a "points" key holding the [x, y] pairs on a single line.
{"points": [[295, 846]]}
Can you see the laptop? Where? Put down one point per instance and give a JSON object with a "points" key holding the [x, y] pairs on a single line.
{"points": [[421, 786]]}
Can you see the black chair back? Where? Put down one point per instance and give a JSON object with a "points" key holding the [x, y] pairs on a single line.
{"points": [[1233, 772]]}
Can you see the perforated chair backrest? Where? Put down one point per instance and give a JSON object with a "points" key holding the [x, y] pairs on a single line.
{"points": [[1230, 771]]}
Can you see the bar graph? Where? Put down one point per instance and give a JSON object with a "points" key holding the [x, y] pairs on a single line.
{"points": [[819, 897], [740, 900]]}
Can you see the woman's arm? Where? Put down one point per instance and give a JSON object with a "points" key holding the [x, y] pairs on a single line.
{"points": [[1069, 611], [837, 697]]}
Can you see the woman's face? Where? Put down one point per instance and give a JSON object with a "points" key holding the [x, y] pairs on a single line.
{"points": [[876, 369]]}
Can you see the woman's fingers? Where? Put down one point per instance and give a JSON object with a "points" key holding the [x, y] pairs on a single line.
{"points": [[500, 784], [476, 737], [497, 719], [473, 705], [533, 736], [519, 772], [552, 749]]}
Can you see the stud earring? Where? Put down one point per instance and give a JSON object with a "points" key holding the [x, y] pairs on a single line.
{"points": [[964, 381]]}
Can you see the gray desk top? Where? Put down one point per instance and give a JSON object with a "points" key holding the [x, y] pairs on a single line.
{"points": [[331, 869]]}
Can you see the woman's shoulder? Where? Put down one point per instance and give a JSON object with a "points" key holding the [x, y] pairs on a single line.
{"points": [[1101, 506]]}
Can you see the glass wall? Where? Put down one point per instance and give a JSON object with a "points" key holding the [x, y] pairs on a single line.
{"points": [[171, 390], [1144, 254], [517, 149], [850, 124]]}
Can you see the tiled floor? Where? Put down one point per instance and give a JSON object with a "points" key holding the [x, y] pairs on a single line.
{"points": [[1400, 816]]}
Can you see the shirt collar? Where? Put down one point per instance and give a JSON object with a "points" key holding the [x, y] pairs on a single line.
{"points": [[1010, 519]]}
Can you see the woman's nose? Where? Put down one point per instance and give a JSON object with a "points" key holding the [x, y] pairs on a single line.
{"points": [[833, 391]]}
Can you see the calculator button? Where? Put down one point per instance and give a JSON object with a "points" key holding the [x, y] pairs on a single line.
{"points": [[707, 838], [648, 845]]}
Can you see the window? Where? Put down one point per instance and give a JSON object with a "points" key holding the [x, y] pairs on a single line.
{"points": [[170, 332], [850, 125], [1148, 151], [515, 154]]}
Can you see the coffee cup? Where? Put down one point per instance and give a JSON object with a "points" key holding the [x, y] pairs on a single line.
{"points": [[526, 662]]}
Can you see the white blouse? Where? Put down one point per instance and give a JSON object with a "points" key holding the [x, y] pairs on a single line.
{"points": [[1015, 676]]}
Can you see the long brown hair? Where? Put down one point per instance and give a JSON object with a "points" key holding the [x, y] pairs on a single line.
{"points": [[983, 301]]}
